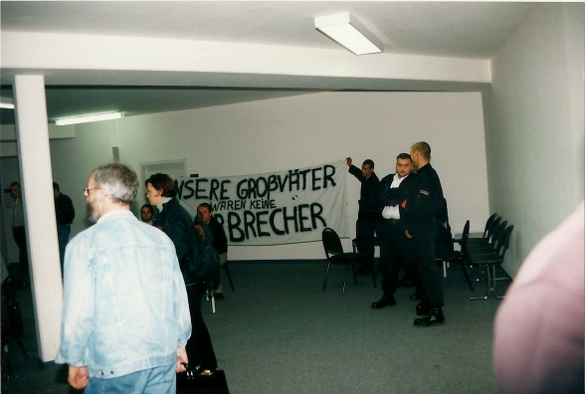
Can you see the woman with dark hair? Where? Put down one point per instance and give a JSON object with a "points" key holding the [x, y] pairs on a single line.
{"points": [[173, 219], [177, 224]]}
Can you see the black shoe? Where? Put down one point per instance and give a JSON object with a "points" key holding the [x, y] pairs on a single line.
{"points": [[219, 296], [423, 308], [386, 300], [416, 296], [434, 318]]}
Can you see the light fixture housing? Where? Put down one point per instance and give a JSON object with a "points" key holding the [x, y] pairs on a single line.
{"points": [[349, 33], [6, 103], [89, 118]]}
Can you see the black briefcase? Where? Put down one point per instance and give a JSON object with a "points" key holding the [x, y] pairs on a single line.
{"points": [[196, 384]]}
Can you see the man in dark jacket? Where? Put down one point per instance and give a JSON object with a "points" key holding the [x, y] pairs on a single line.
{"points": [[419, 214], [19, 231], [219, 239], [392, 191], [368, 215], [65, 213]]}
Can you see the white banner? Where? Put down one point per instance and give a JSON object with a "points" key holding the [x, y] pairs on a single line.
{"points": [[285, 207]]}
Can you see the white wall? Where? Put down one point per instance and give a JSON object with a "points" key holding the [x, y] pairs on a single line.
{"points": [[534, 125], [10, 172], [296, 132]]}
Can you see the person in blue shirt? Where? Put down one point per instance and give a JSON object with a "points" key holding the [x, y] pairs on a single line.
{"points": [[125, 313]]}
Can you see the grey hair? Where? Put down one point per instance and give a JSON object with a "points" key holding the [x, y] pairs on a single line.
{"points": [[119, 181]]}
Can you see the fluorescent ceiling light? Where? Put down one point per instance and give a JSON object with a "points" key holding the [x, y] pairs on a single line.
{"points": [[6, 103], [343, 29], [89, 118]]}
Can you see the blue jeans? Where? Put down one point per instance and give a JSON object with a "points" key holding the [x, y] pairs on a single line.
{"points": [[158, 380]]}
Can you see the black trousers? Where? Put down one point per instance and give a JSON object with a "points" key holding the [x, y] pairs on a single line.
{"points": [[393, 254], [199, 347], [365, 228], [19, 234], [421, 255]]}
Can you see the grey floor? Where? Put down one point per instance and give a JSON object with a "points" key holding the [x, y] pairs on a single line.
{"points": [[279, 333]]}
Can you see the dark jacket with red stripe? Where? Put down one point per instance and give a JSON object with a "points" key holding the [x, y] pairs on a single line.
{"points": [[423, 205]]}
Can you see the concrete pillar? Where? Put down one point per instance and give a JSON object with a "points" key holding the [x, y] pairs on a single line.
{"points": [[40, 222]]}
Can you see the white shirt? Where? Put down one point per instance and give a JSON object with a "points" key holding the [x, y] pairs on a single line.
{"points": [[393, 212], [17, 213], [164, 201]]}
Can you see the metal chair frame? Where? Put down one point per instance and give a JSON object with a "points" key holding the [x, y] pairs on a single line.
{"points": [[335, 255], [489, 261], [489, 247], [460, 257], [491, 232]]}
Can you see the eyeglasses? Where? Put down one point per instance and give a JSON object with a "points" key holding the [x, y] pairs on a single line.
{"points": [[86, 191]]}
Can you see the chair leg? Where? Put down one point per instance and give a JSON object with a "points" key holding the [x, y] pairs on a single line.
{"points": [[374, 273], [227, 270], [488, 290], [490, 271], [326, 274], [495, 280], [345, 279], [210, 296], [462, 263]]}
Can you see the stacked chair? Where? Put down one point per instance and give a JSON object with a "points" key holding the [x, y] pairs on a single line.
{"points": [[488, 251], [460, 256]]}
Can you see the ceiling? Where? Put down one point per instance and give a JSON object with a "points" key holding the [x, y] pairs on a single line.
{"points": [[466, 30]]}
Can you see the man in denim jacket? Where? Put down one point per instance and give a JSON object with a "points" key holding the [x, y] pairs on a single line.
{"points": [[125, 314]]}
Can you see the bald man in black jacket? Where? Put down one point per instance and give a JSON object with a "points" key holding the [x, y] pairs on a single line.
{"points": [[419, 214]]}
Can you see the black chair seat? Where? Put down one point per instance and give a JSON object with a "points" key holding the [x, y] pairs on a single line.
{"points": [[460, 257], [348, 258], [488, 247]]}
